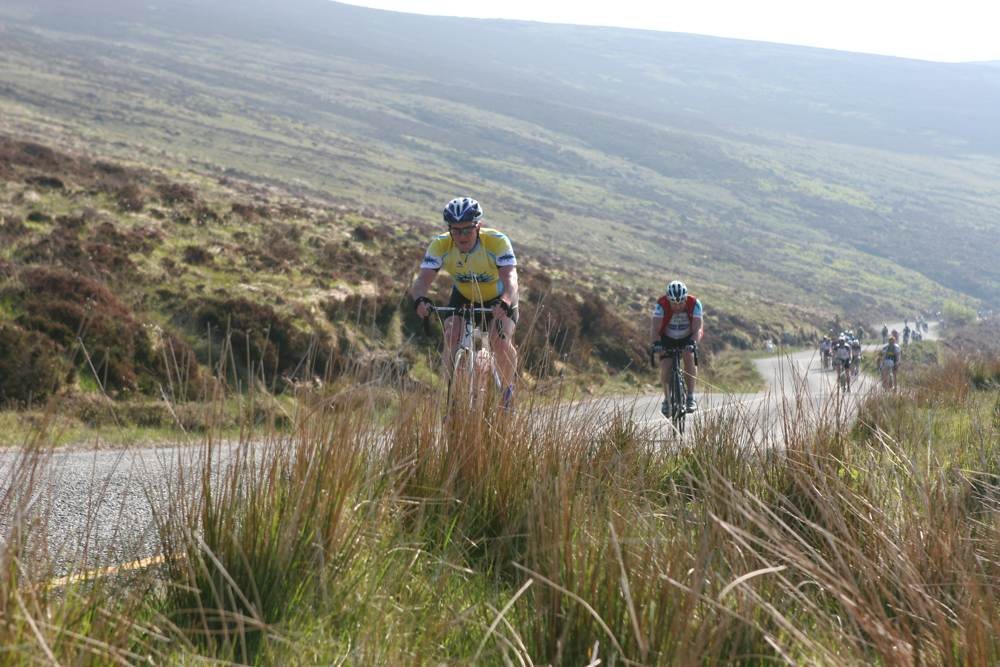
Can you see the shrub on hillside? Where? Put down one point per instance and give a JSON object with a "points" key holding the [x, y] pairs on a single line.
{"points": [[367, 233], [957, 314], [261, 339], [32, 155], [280, 247], [50, 182], [577, 329], [54, 249], [248, 212], [204, 214], [91, 327], [176, 193], [196, 255], [130, 198], [12, 228], [128, 240], [31, 366], [363, 309]]}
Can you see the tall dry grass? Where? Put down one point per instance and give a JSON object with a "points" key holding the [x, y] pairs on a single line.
{"points": [[554, 536]]}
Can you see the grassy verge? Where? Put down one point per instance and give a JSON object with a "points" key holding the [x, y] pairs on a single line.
{"points": [[733, 372], [94, 421], [551, 537]]}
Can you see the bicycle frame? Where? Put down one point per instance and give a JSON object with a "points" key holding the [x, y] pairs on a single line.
{"points": [[473, 364], [678, 388], [843, 375]]}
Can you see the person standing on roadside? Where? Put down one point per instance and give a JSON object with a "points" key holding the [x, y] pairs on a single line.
{"points": [[885, 333]]}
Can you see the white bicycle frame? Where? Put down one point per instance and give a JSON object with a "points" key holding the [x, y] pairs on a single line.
{"points": [[472, 357]]}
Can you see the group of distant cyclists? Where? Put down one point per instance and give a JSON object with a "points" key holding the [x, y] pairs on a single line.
{"points": [[843, 352], [916, 333], [483, 268]]}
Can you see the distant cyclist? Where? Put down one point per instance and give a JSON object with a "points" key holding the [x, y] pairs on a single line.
{"points": [[889, 359], [826, 351], [483, 269], [842, 361], [677, 323], [855, 344]]}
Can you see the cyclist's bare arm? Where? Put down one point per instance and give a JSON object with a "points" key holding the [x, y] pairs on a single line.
{"points": [[508, 278], [654, 329], [696, 329], [420, 288]]}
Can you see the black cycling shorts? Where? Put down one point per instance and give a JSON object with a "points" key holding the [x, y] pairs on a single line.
{"points": [[669, 344], [458, 300]]}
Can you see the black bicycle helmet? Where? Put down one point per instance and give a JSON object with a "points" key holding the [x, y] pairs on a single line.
{"points": [[462, 209]]}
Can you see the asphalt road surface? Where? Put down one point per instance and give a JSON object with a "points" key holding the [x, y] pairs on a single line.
{"points": [[98, 505]]}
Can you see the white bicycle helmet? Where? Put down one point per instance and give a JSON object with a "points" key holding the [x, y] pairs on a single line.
{"points": [[462, 209], [677, 291]]}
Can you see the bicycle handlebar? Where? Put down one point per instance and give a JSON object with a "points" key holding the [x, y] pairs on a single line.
{"points": [[472, 310], [464, 309], [656, 347]]}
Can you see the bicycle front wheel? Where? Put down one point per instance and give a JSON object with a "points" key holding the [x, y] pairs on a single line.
{"points": [[678, 400], [462, 379]]}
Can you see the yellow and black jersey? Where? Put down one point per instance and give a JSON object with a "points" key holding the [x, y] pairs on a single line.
{"points": [[477, 272]]}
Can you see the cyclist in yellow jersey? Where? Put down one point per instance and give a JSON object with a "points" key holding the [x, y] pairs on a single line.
{"points": [[483, 268]]}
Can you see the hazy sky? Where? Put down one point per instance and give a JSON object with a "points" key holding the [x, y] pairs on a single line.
{"points": [[943, 30]]}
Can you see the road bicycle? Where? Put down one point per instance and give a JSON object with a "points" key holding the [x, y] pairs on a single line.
{"points": [[843, 374], [677, 409], [887, 369], [474, 370]]}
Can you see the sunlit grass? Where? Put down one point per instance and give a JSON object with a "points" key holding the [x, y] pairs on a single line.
{"points": [[548, 536]]}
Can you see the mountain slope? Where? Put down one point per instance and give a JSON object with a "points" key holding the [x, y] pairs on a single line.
{"points": [[834, 180]]}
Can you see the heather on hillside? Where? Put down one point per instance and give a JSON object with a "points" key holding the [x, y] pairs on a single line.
{"points": [[132, 283], [798, 182]]}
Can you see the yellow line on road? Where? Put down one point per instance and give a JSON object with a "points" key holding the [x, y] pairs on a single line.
{"points": [[105, 571]]}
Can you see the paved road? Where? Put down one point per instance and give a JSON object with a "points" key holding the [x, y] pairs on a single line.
{"points": [[100, 503], [797, 387], [92, 504]]}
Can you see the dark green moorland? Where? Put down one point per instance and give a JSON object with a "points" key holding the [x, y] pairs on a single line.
{"points": [[788, 181], [188, 170]]}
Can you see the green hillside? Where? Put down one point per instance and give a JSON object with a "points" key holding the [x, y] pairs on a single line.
{"points": [[134, 283], [772, 178]]}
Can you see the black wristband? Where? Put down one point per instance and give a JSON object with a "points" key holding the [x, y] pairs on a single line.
{"points": [[507, 308], [421, 299]]}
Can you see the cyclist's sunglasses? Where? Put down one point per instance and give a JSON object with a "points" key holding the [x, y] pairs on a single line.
{"points": [[462, 231]]}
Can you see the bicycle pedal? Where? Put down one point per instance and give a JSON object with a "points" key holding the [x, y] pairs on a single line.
{"points": [[508, 395]]}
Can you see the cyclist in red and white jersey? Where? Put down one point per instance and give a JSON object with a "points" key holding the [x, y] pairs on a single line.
{"points": [[677, 323]]}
